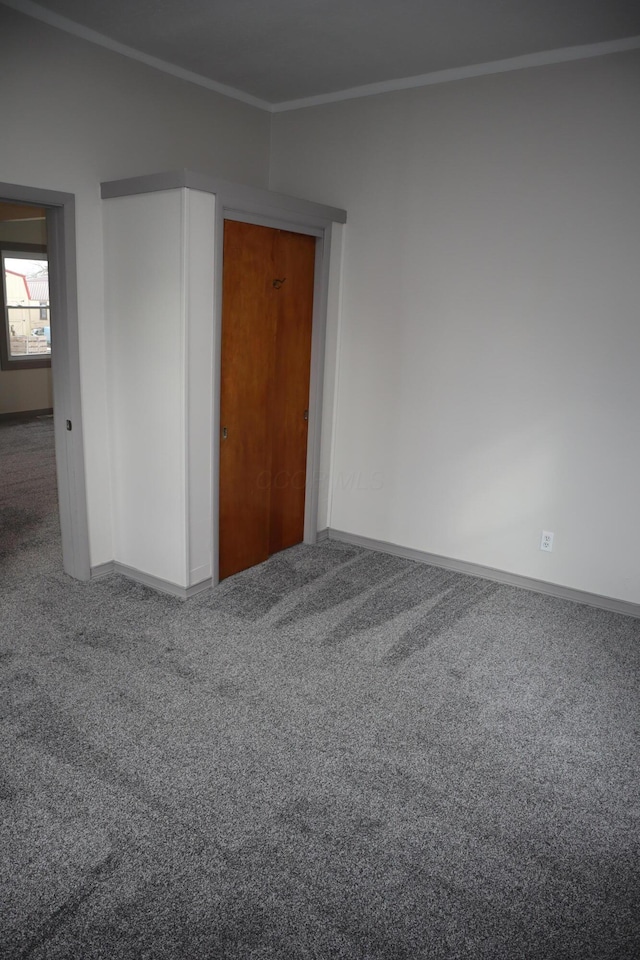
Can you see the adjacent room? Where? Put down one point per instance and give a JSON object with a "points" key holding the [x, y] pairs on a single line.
{"points": [[405, 724]]}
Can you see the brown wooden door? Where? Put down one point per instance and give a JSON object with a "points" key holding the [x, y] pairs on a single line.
{"points": [[267, 304]]}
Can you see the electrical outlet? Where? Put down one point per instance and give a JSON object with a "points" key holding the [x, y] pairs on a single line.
{"points": [[546, 541]]}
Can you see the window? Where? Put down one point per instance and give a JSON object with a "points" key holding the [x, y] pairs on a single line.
{"points": [[25, 324]]}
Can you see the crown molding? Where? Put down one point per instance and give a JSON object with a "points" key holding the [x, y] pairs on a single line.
{"points": [[541, 59], [36, 12]]}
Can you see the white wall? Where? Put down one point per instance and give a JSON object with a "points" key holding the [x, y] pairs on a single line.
{"points": [[22, 390], [488, 383], [160, 309], [72, 115], [24, 231]]}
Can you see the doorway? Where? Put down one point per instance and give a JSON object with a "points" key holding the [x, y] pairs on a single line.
{"points": [[65, 367], [267, 311], [25, 341]]}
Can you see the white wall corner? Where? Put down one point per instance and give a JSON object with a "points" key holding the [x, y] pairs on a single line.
{"points": [[199, 304]]}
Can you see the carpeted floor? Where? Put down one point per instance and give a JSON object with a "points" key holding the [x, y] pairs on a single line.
{"points": [[337, 754]]}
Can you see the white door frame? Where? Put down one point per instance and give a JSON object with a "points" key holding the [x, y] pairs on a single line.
{"points": [[65, 369]]}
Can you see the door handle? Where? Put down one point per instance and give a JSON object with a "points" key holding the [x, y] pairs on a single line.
{"points": [[306, 415], [224, 433]]}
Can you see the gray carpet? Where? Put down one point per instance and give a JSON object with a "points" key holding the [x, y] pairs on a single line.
{"points": [[337, 754]]}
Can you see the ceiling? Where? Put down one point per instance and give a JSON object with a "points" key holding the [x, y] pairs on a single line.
{"points": [[278, 51]]}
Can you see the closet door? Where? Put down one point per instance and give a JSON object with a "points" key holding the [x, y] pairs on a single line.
{"points": [[266, 352], [293, 304]]}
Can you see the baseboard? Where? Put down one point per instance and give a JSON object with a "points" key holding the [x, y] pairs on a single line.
{"points": [[156, 583], [21, 415], [490, 573], [199, 587], [323, 535]]}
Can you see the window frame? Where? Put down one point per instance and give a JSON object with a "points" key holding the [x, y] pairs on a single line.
{"points": [[7, 362]]}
